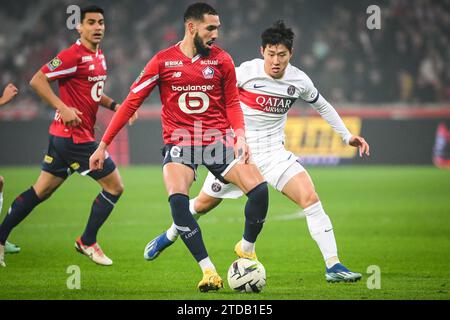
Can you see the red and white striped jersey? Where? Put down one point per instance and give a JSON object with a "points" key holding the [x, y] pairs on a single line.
{"points": [[199, 97], [81, 75], [265, 102]]}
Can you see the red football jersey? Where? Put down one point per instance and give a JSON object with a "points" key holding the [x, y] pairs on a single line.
{"points": [[81, 75], [197, 94]]}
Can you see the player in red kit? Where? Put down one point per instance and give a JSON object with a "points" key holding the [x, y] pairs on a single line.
{"points": [[197, 84], [81, 73]]}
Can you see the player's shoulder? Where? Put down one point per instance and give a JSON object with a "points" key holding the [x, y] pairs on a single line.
{"points": [[250, 69], [71, 54], [254, 64], [296, 76], [217, 51], [162, 56], [73, 49], [220, 54]]}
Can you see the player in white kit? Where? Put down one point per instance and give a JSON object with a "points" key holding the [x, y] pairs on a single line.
{"points": [[267, 90]]}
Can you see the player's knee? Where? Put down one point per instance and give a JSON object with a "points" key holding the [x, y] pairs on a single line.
{"points": [[203, 206], [177, 189], [308, 200], [115, 189], [2, 181], [44, 193], [119, 188]]}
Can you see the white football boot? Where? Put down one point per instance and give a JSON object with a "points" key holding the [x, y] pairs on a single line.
{"points": [[94, 252]]}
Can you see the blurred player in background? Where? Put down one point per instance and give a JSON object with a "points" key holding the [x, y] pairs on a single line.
{"points": [[9, 93], [197, 83], [81, 73], [268, 88], [441, 149]]}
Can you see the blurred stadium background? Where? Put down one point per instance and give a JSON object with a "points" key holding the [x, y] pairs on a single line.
{"points": [[392, 86], [395, 81]]}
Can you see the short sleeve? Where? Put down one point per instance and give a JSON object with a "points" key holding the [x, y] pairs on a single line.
{"points": [[147, 79], [62, 66]]}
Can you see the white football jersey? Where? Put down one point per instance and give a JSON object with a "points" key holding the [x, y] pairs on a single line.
{"points": [[266, 101]]}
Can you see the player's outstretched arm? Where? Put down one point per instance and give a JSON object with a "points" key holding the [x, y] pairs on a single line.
{"points": [[233, 109], [140, 90], [9, 93], [330, 115], [124, 113], [327, 111], [41, 85]]}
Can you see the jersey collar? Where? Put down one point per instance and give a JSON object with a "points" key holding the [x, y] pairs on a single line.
{"points": [[79, 43], [195, 58]]}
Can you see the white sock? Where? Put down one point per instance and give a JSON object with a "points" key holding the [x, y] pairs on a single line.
{"points": [[321, 231], [206, 264], [192, 206], [172, 233], [1, 201], [247, 247], [331, 262]]}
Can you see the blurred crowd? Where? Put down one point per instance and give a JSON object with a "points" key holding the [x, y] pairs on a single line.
{"points": [[405, 61]]}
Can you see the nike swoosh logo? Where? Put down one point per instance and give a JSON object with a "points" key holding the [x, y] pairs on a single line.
{"points": [[257, 87], [328, 230]]}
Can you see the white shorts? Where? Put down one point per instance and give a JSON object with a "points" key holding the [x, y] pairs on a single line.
{"points": [[277, 169]]}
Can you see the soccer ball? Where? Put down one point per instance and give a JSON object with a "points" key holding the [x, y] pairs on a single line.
{"points": [[245, 275]]}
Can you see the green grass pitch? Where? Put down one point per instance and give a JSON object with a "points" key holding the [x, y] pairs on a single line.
{"points": [[397, 218]]}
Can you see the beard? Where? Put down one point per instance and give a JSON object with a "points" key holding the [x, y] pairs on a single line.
{"points": [[201, 49]]}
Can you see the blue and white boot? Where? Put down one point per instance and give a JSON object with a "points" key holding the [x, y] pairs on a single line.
{"points": [[156, 246], [339, 273]]}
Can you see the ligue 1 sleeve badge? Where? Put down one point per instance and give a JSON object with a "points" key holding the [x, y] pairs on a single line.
{"points": [[208, 73], [55, 63]]}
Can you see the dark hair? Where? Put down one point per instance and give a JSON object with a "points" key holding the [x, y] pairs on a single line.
{"points": [[197, 10], [90, 9], [278, 34]]}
